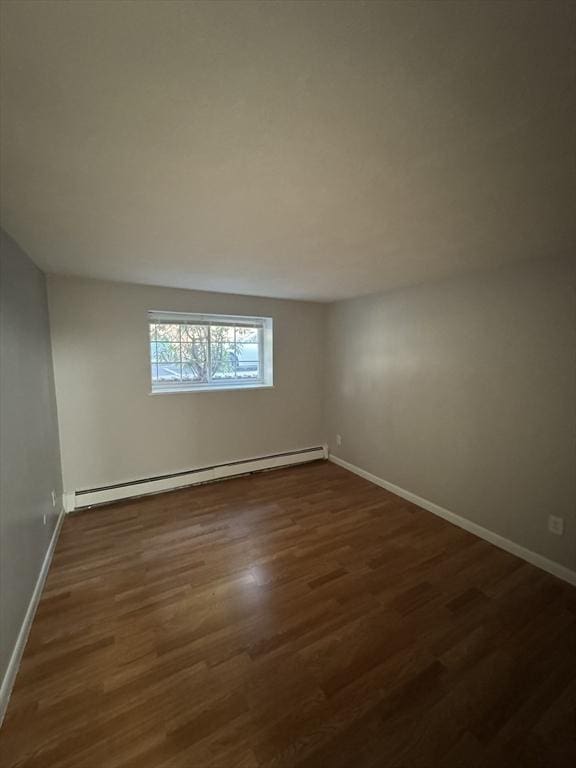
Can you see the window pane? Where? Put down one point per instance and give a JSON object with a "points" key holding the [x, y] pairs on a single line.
{"points": [[224, 375], [169, 372], [223, 359], [167, 351], [197, 333], [245, 335], [153, 352], [247, 352], [248, 364], [167, 332], [194, 373], [192, 352], [152, 331], [195, 357], [154, 372], [221, 334], [248, 373]]}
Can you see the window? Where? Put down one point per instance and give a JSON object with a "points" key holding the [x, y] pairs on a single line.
{"points": [[199, 352]]}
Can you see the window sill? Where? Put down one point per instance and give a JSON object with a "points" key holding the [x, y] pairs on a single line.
{"points": [[193, 390]]}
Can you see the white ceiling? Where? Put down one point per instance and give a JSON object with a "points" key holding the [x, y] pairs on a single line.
{"points": [[294, 149]]}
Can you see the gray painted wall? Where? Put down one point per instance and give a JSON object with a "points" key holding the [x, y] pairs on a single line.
{"points": [[112, 430], [29, 449], [464, 392]]}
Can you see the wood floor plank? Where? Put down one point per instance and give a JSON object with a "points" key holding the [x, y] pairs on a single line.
{"points": [[296, 618]]}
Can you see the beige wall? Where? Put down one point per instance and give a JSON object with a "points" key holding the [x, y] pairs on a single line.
{"points": [[464, 392], [113, 430]]}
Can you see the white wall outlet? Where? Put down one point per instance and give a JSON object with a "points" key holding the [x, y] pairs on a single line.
{"points": [[44, 518], [53, 498], [338, 440], [556, 525]]}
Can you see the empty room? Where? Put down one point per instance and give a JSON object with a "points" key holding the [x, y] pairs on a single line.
{"points": [[287, 384]]}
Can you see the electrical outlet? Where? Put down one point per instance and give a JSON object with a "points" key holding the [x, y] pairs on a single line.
{"points": [[338, 440], [556, 525], [44, 518], [53, 498]]}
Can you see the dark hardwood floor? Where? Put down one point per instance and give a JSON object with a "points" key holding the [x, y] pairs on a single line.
{"points": [[301, 617]]}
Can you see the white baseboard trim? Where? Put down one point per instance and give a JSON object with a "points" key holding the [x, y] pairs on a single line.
{"points": [[16, 657], [566, 574], [88, 498]]}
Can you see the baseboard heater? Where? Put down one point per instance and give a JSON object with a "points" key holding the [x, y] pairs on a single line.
{"points": [[108, 493]]}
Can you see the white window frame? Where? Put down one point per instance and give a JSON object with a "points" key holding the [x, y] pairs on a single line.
{"points": [[265, 336]]}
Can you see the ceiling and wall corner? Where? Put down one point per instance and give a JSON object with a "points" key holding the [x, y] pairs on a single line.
{"points": [[305, 150]]}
